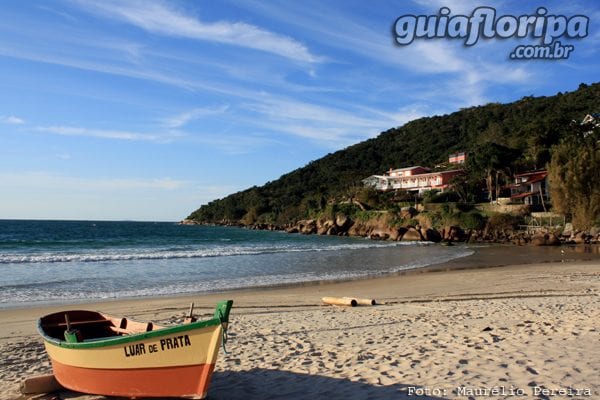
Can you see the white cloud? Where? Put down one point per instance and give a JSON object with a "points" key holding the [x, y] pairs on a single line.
{"points": [[333, 127], [197, 113], [441, 62], [235, 144], [111, 134], [106, 68], [11, 120], [159, 18]]}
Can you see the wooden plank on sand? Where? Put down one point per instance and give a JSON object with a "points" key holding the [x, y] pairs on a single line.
{"points": [[40, 384]]}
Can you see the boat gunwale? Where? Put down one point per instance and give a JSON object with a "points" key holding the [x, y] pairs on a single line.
{"points": [[118, 340]]}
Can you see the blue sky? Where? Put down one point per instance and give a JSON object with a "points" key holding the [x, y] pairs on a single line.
{"points": [[147, 109]]}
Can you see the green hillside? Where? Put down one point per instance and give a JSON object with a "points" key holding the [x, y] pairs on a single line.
{"points": [[525, 130]]}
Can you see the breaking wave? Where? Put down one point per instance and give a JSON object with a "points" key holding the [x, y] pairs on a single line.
{"points": [[171, 253]]}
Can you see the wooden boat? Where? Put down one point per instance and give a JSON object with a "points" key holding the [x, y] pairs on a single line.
{"points": [[98, 354]]}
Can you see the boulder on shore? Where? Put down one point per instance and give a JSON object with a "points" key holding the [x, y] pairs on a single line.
{"points": [[454, 234], [307, 227], [548, 239], [324, 226], [343, 222], [412, 234], [579, 238], [384, 233], [431, 235]]}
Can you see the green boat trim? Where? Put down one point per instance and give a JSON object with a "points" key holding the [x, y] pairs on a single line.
{"points": [[220, 317]]}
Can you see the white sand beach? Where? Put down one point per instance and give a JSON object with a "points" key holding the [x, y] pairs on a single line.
{"points": [[523, 331]]}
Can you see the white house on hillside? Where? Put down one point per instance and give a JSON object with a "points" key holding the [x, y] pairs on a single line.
{"points": [[412, 179]]}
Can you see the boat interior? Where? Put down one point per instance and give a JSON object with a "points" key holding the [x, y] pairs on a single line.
{"points": [[91, 325]]}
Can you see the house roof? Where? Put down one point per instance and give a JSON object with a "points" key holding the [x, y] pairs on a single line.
{"points": [[537, 178], [541, 171], [532, 177], [377, 176], [410, 168], [426, 175], [522, 195]]}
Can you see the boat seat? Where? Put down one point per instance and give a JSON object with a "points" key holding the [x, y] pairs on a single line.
{"points": [[75, 323]]}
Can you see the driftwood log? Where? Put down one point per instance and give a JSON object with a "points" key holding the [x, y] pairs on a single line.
{"points": [[348, 301], [340, 301], [365, 302]]}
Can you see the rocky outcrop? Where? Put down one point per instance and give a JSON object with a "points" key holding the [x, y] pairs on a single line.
{"points": [[325, 226], [360, 228], [307, 227], [188, 222], [453, 234], [383, 226], [580, 238], [343, 222], [266, 227], [388, 233], [571, 236]]}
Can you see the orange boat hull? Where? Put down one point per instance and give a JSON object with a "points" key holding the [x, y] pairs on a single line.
{"points": [[186, 381]]}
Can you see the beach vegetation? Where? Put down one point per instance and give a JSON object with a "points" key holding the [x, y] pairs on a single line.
{"points": [[472, 220], [574, 175]]}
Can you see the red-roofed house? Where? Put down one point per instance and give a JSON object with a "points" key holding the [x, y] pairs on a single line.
{"points": [[530, 188]]}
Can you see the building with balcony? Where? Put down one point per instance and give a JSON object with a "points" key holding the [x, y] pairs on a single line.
{"points": [[413, 179], [530, 188]]}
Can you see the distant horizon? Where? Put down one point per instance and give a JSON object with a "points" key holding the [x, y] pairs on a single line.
{"points": [[86, 220], [145, 112]]}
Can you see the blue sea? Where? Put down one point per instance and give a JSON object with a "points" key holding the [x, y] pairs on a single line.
{"points": [[44, 262]]}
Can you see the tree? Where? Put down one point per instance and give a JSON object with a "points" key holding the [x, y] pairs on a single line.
{"points": [[487, 161], [574, 177], [466, 188]]}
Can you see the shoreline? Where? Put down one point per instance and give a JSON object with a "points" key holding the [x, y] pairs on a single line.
{"points": [[484, 256], [463, 323]]}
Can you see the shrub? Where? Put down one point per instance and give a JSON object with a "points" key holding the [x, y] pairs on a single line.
{"points": [[471, 220], [445, 197], [503, 221]]}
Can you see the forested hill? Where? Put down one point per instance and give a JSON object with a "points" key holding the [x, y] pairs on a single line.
{"points": [[527, 128]]}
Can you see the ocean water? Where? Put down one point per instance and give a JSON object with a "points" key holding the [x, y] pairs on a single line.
{"points": [[68, 261]]}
